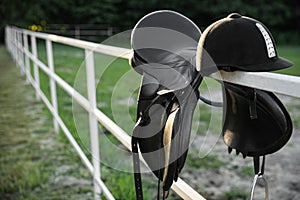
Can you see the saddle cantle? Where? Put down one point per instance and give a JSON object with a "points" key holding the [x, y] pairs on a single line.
{"points": [[164, 48], [255, 122]]}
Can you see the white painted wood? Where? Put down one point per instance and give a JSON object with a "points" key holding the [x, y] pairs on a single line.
{"points": [[260, 80], [27, 63], [20, 54], [100, 48], [35, 67], [22, 62], [52, 82], [16, 49], [93, 123], [278, 83], [185, 191], [105, 190]]}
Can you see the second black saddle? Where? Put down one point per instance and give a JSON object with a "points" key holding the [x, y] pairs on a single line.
{"points": [[255, 121]]}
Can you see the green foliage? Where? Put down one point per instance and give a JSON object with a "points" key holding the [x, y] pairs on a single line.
{"points": [[248, 170], [281, 17], [120, 182], [291, 53], [236, 193], [210, 161]]}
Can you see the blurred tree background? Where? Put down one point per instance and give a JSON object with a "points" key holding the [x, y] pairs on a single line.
{"points": [[282, 17]]}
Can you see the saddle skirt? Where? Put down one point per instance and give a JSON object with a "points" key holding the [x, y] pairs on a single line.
{"points": [[255, 121]]}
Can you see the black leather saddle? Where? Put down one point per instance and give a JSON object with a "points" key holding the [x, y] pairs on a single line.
{"points": [[255, 121], [255, 124], [164, 48]]}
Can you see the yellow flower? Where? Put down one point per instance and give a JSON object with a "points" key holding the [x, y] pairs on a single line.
{"points": [[34, 27], [39, 28]]}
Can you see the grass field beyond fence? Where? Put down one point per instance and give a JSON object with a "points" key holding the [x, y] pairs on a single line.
{"points": [[291, 53], [114, 91]]}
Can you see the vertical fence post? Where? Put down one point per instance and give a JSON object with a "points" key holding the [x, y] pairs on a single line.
{"points": [[16, 49], [27, 63], [21, 53], [13, 51], [20, 39], [52, 82], [93, 124], [35, 66], [6, 38]]}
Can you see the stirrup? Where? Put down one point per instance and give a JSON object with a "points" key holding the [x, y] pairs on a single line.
{"points": [[259, 175]]}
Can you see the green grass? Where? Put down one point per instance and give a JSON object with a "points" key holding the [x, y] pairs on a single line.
{"points": [[247, 170], [208, 162], [291, 53], [236, 193]]}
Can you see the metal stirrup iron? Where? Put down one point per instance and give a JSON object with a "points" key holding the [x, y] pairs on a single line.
{"points": [[259, 174]]}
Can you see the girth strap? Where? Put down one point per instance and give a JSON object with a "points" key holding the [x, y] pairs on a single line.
{"points": [[257, 168], [136, 168]]}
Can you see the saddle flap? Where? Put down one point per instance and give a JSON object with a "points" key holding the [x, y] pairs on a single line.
{"points": [[266, 133], [163, 134]]}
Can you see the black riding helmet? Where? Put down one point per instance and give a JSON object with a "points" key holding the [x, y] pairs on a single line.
{"points": [[238, 43], [255, 122]]}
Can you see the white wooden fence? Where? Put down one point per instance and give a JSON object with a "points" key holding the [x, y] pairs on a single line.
{"points": [[17, 44], [80, 31]]}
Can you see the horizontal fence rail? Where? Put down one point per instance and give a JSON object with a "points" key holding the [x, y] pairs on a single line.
{"points": [[80, 31], [278, 83], [17, 44]]}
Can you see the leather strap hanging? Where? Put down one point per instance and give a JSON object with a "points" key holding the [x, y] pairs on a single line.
{"points": [[136, 167]]}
